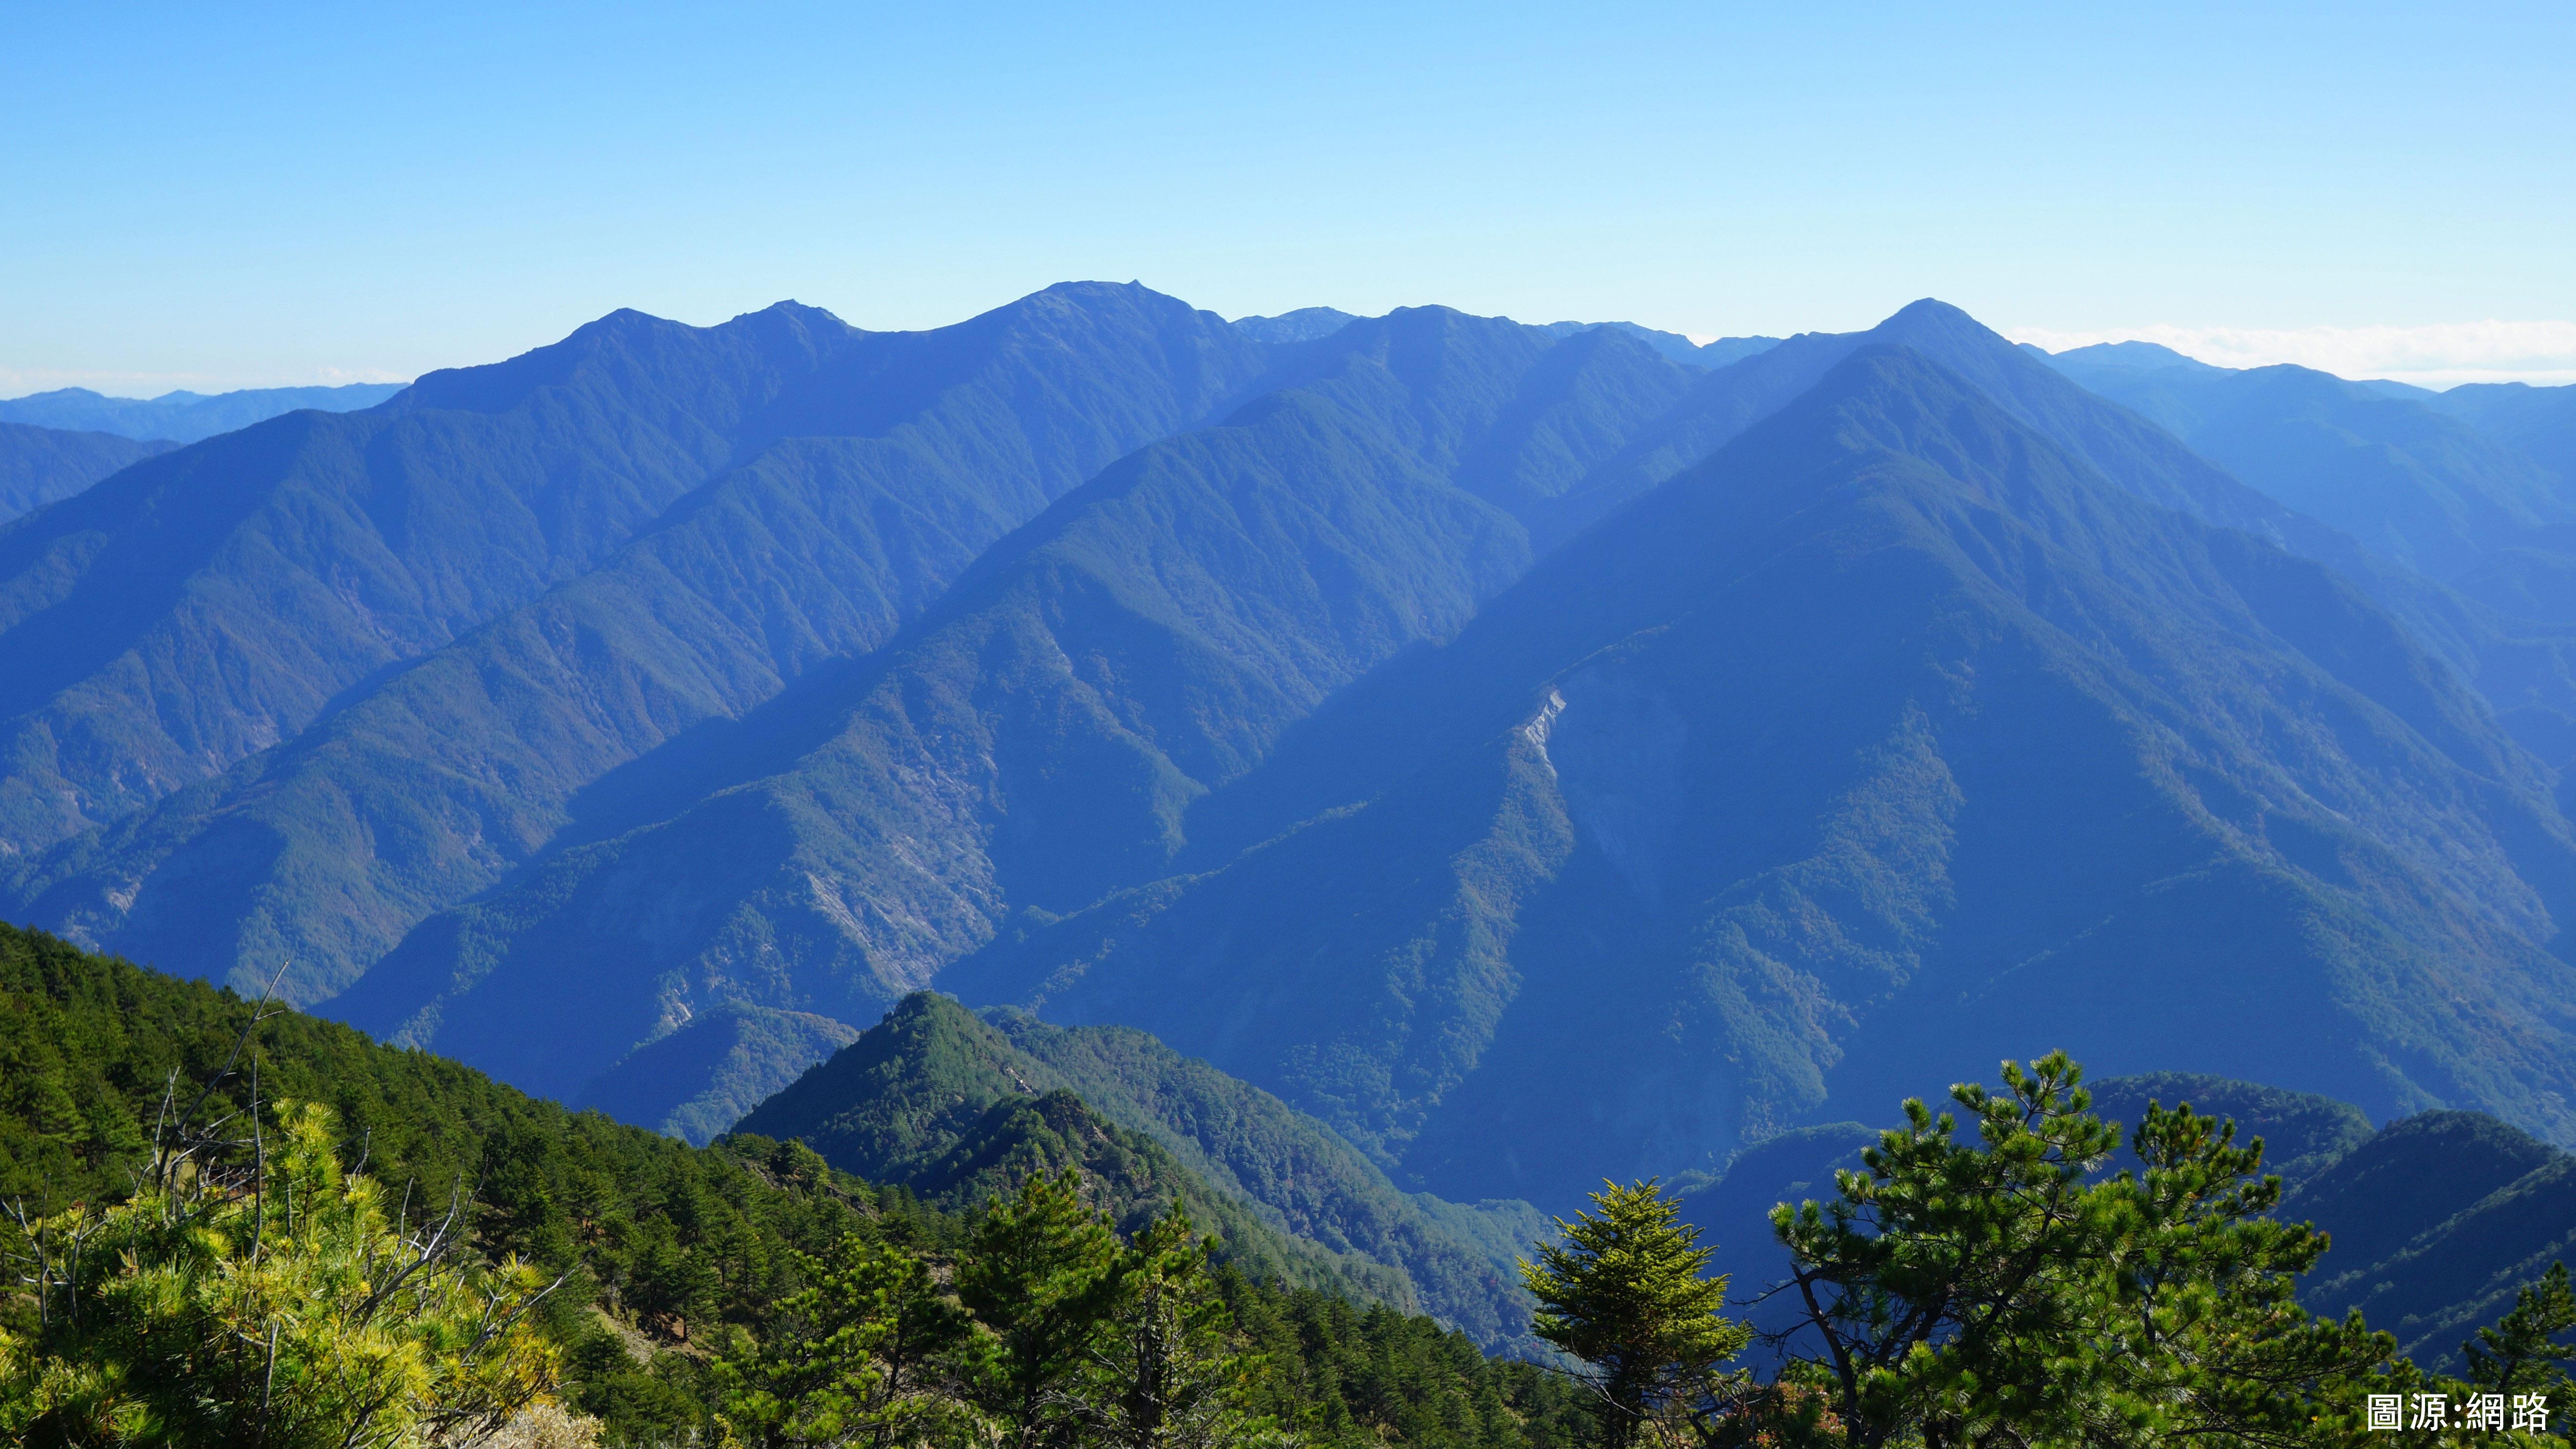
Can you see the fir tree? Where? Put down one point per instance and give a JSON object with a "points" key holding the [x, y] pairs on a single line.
{"points": [[1627, 1293]]}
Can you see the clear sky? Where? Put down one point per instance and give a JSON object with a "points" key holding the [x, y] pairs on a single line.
{"points": [[215, 196]]}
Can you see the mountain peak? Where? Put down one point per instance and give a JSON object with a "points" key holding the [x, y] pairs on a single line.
{"points": [[1305, 324], [2135, 355]]}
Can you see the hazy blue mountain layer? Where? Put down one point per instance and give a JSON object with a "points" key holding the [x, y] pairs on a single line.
{"points": [[185, 417], [2417, 490], [1033, 741], [1678, 347], [2541, 421], [40, 465], [899, 1097], [2428, 490], [425, 785], [1303, 325], [208, 603], [1888, 743]]}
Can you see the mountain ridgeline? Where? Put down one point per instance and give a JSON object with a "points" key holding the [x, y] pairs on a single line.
{"points": [[1485, 757], [185, 417], [909, 1102], [42, 465]]}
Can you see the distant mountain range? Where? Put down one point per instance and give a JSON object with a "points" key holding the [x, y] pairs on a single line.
{"points": [[2400, 471], [184, 417], [1306, 324], [1531, 753]]}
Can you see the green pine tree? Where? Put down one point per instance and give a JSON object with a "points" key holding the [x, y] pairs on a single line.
{"points": [[1165, 1372], [2001, 1291], [2522, 1353], [1627, 1292], [274, 1303], [862, 1357], [1040, 1272]]}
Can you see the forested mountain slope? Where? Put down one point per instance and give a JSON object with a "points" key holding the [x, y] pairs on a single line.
{"points": [[674, 1253], [666, 1239], [40, 465], [1397, 712], [208, 603], [1034, 740], [888, 842], [894, 464], [1890, 740], [898, 1104]]}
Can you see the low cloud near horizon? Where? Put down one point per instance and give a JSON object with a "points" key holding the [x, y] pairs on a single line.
{"points": [[2444, 354]]}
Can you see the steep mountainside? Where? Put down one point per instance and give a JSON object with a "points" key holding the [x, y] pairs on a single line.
{"points": [[40, 465], [185, 417], [2436, 1221], [1892, 741], [896, 1101], [210, 602], [425, 785], [1034, 741], [940, 1103]]}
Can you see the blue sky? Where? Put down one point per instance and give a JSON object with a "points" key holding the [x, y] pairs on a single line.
{"points": [[204, 196]]}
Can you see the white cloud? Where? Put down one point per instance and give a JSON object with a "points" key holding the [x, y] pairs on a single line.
{"points": [[2444, 354]]}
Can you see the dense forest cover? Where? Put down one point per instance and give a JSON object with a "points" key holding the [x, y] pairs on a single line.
{"points": [[212, 1198], [918, 1098], [674, 1261]]}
